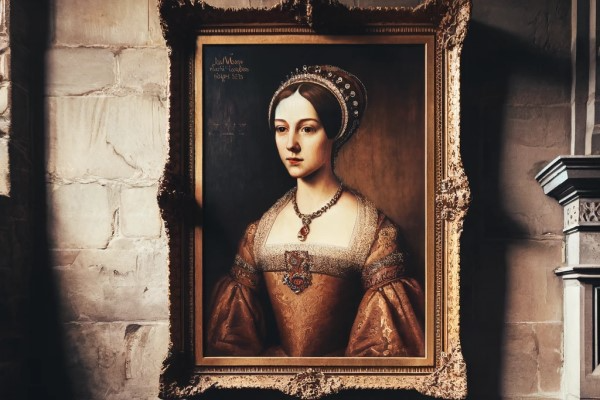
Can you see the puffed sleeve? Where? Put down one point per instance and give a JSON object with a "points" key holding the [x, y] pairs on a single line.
{"points": [[390, 316], [236, 324]]}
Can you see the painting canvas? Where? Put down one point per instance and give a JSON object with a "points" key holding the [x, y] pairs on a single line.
{"points": [[243, 175]]}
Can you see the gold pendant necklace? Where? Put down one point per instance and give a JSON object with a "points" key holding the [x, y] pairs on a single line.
{"points": [[307, 218]]}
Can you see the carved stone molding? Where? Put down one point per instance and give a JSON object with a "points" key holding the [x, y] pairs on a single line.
{"points": [[589, 271], [567, 178], [582, 215], [589, 211]]}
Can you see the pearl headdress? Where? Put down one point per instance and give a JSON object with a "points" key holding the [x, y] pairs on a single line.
{"points": [[345, 87]]}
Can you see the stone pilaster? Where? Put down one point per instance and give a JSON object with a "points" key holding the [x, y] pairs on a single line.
{"points": [[574, 181]]}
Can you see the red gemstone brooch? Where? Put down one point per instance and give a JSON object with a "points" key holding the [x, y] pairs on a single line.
{"points": [[297, 276]]}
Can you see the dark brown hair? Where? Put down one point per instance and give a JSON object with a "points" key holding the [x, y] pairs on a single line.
{"points": [[327, 107]]}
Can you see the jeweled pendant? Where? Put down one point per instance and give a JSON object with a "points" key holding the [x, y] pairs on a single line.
{"points": [[297, 276], [303, 233]]}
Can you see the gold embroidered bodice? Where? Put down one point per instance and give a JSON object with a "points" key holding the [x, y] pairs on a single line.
{"points": [[327, 300], [331, 260]]}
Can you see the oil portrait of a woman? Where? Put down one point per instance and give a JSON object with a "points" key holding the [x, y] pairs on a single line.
{"points": [[322, 263]]}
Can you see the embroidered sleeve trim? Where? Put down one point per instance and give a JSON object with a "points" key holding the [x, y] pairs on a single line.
{"points": [[244, 273], [386, 270]]}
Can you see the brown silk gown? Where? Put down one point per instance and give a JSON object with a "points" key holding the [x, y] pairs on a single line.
{"points": [[327, 300]]}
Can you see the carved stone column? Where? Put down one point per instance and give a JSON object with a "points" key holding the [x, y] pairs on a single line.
{"points": [[575, 182]]}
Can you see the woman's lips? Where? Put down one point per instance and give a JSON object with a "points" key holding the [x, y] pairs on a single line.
{"points": [[294, 160]]}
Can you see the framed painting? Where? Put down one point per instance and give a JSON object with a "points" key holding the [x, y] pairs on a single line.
{"points": [[314, 198]]}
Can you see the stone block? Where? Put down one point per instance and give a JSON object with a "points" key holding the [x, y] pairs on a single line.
{"points": [[4, 168], [230, 3], [535, 24], [583, 247], [551, 87], [117, 361], [533, 291], [550, 360], [139, 213], [154, 28], [131, 22], [383, 3], [95, 70], [125, 282], [521, 197], [108, 137], [538, 126], [80, 216], [519, 374], [589, 250], [265, 3], [63, 257], [4, 99], [144, 70]]}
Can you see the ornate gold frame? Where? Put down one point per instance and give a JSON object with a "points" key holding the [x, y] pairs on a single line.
{"points": [[441, 24]]}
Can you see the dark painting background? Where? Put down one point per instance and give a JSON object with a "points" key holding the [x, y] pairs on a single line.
{"points": [[243, 175]]}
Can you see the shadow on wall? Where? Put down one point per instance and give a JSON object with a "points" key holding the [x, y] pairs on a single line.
{"points": [[32, 351], [491, 59]]}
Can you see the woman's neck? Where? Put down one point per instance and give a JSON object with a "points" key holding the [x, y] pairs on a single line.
{"points": [[315, 191]]}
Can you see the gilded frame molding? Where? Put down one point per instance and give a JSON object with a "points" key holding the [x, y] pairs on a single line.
{"points": [[444, 23]]}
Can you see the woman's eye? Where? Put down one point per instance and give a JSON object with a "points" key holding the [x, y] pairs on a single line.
{"points": [[307, 129], [280, 129]]}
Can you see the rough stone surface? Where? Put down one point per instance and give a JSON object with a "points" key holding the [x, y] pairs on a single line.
{"points": [[534, 137], [140, 216], [589, 250], [382, 3], [107, 137], [125, 282], [532, 360], [81, 216], [533, 292], [132, 22], [265, 3], [549, 337], [231, 3], [119, 361], [537, 24], [529, 89], [4, 168], [95, 70], [144, 70], [538, 127], [520, 366]]}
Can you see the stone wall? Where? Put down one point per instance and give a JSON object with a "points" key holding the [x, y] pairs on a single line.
{"points": [[107, 126], [515, 118], [107, 112]]}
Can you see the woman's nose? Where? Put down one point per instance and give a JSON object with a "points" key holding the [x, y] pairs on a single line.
{"points": [[292, 143]]}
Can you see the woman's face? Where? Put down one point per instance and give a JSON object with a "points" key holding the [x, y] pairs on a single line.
{"points": [[303, 146]]}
